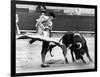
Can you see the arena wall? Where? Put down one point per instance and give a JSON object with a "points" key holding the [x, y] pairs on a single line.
{"points": [[27, 21]]}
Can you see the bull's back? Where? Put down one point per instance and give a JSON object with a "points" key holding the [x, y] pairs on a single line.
{"points": [[67, 38]]}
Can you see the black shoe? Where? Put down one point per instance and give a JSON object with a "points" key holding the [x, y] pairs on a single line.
{"points": [[45, 65], [32, 41]]}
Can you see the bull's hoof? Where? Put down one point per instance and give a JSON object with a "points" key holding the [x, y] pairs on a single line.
{"points": [[91, 60], [45, 65], [74, 61], [84, 62], [66, 62]]}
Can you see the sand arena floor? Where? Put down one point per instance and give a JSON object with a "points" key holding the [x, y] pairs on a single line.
{"points": [[28, 57]]}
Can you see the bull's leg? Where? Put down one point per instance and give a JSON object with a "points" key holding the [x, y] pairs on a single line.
{"points": [[50, 49], [73, 59], [43, 53], [81, 57], [87, 52], [64, 52]]}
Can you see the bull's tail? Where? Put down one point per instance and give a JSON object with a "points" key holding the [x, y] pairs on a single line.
{"points": [[52, 46], [50, 49]]}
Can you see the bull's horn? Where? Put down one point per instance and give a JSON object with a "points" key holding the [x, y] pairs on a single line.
{"points": [[80, 45]]}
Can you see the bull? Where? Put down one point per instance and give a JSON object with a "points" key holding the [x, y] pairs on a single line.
{"points": [[77, 45]]}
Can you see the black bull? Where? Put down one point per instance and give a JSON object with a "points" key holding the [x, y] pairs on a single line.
{"points": [[72, 41], [69, 40]]}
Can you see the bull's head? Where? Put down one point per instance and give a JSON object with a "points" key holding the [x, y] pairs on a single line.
{"points": [[77, 40]]}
